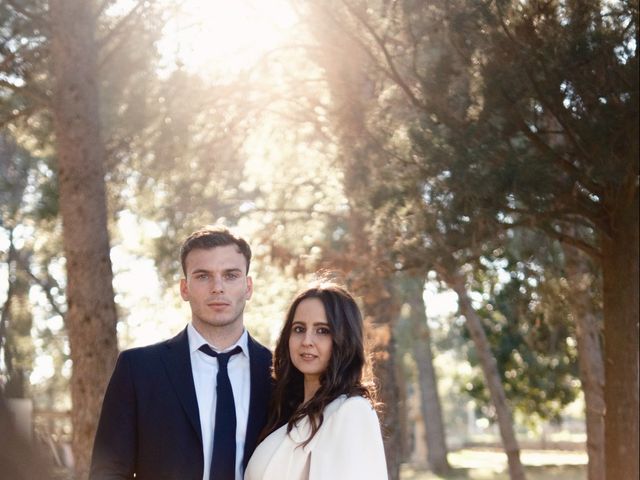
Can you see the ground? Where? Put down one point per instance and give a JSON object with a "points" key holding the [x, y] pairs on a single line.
{"points": [[481, 464]]}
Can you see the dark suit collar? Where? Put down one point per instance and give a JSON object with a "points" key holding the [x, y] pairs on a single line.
{"points": [[260, 366], [177, 361]]}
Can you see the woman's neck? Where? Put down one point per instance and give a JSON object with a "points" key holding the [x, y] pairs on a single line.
{"points": [[311, 386]]}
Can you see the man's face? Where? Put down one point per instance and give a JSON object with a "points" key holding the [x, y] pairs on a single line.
{"points": [[216, 287]]}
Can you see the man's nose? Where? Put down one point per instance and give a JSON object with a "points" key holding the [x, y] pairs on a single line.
{"points": [[216, 284]]}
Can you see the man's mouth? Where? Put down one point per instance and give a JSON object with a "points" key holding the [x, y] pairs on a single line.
{"points": [[217, 304]]}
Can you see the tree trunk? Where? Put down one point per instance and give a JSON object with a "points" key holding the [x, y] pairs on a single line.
{"points": [[350, 89], [456, 282], [590, 360], [620, 285], [428, 386], [381, 310], [403, 413], [5, 316], [91, 316]]}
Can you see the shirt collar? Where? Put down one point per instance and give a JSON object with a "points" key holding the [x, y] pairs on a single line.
{"points": [[196, 341]]}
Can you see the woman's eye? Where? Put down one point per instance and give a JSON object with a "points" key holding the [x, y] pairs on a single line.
{"points": [[324, 331], [298, 330]]}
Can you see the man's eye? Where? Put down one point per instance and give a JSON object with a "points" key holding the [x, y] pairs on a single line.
{"points": [[231, 276], [202, 276]]}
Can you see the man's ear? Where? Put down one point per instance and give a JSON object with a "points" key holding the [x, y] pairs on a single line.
{"points": [[249, 288], [184, 289]]}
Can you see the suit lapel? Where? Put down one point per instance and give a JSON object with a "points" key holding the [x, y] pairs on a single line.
{"points": [[177, 361], [260, 364]]}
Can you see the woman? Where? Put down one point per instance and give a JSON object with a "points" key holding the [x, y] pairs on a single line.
{"points": [[322, 424]]}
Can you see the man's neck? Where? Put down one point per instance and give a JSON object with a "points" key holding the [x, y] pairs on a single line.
{"points": [[220, 338]]}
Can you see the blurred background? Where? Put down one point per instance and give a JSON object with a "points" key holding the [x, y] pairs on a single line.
{"points": [[468, 168]]}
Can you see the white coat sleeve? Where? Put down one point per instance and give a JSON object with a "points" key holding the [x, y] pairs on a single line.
{"points": [[350, 445]]}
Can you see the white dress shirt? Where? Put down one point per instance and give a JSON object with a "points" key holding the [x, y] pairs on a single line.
{"points": [[205, 370]]}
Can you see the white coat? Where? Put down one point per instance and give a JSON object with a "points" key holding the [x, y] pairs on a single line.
{"points": [[348, 446]]}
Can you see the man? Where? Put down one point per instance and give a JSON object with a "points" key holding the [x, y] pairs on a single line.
{"points": [[191, 407]]}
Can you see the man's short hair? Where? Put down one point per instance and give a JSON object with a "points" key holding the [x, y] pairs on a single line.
{"points": [[212, 237]]}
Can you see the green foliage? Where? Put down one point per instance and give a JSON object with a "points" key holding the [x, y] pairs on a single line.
{"points": [[532, 340], [482, 118], [548, 130]]}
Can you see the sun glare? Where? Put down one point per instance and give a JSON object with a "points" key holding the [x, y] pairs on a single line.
{"points": [[218, 37]]}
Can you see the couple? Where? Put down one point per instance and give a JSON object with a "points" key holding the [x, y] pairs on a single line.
{"points": [[197, 405]]}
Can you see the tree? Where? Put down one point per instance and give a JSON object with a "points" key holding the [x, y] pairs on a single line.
{"points": [[457, 282], [430, 408], [372, 278], [91, 317], [524, 114], [588, 324], [555, 87], [17, 174]]}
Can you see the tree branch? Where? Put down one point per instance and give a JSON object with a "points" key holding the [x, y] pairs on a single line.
{"points": [[37, 18], [45, 285], [38, 97], [393, 71], [588, 248], [115, 31]]}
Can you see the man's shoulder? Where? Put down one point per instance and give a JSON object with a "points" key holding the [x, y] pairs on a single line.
{"points": [[256, 348], [156, 348]]}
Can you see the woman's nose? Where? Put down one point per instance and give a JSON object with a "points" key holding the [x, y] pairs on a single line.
{"points": [[308, 338]]}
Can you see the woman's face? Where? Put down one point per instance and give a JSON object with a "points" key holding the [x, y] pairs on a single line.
{"points": [[311, 339]]}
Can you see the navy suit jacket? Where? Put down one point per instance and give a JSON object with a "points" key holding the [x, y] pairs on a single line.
{"points": [[150, 425]]}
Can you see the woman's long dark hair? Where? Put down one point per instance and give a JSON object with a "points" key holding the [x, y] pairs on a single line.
{"points": [[344, 374]]}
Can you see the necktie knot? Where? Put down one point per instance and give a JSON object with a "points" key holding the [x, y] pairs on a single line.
{"points": [[223, 357]]}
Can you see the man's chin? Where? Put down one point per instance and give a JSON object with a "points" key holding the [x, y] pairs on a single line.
{"points": [[219, 322]]}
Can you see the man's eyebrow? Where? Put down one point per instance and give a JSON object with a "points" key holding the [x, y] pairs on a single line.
{"points": [[199, 270], [235, 269], [204, 270]]}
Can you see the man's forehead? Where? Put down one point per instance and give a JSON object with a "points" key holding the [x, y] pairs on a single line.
{"points": [[219, 258]]}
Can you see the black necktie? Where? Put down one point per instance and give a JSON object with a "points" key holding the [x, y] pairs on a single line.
{"points": [[223, 459]]}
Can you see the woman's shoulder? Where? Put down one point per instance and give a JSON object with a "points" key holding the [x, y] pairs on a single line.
{"points": [[356, 405]]}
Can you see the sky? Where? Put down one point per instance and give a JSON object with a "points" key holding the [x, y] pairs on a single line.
{"points": [[214, 37]]}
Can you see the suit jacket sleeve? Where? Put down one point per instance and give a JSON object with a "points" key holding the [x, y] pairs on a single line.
{"points": [[349, 446], [114, 450]]}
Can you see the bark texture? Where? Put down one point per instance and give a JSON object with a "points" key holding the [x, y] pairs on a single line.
{"points": [[381, 310], [430, 406], [590, 358], [489, 366], [351, 91], [91, 317], [620, 284]]}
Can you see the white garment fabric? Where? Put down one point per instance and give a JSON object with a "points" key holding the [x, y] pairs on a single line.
{"points": [[348, 446], [205, 371]]}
